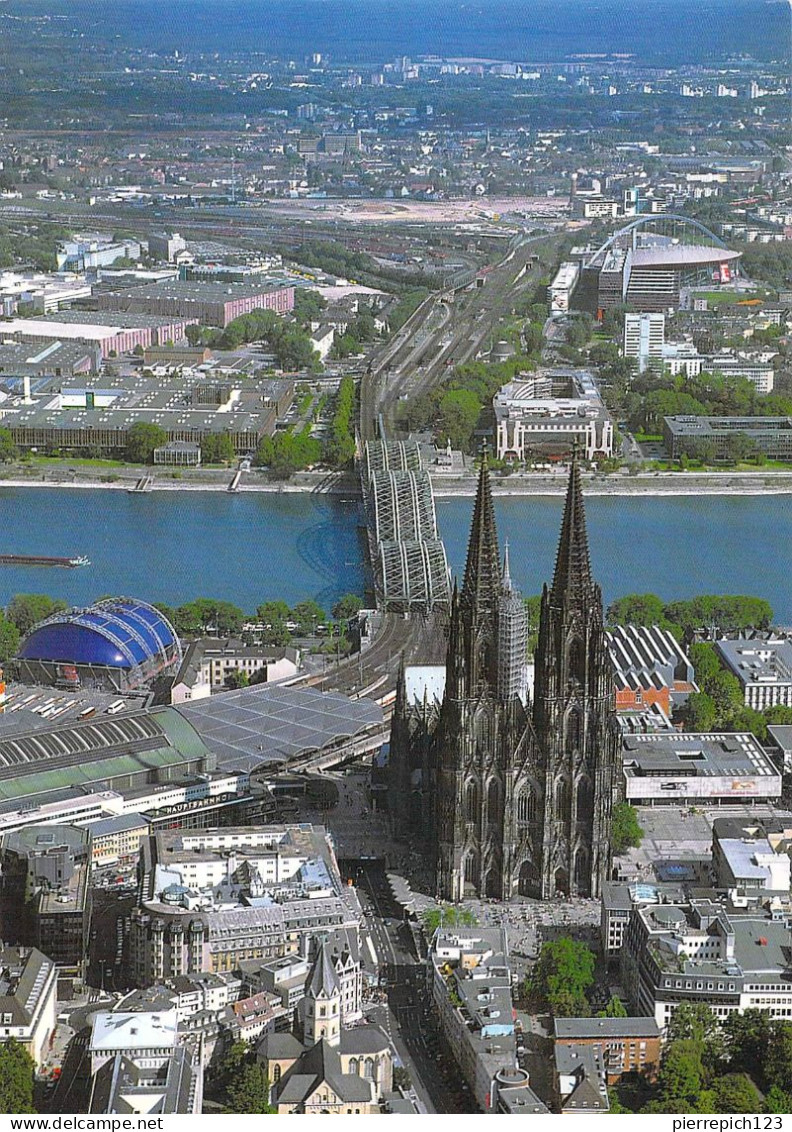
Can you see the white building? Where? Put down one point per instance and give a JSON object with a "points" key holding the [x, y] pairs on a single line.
{"points": [[543, 415], [209, 662], [562, 287], [697, 952], [644, 337], [28, 990], [764, 669], [141, 1063], [669, 768]]}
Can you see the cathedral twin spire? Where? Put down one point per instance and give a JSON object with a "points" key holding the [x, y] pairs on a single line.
{"points": [[482, 584], [572, 578], [485, 580]]}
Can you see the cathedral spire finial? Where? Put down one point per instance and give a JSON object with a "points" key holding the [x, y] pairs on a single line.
{"points": [[482, 583], [506, 576], [572, 575]]}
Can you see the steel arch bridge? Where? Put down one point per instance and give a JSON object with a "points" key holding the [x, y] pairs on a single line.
{"points": [[676, 222], [409, 559]]}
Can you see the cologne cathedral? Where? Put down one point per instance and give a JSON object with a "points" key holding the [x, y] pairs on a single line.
{"points": [[510, 796]]}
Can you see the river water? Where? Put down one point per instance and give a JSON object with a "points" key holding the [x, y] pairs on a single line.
{"points": [[251, 547]]}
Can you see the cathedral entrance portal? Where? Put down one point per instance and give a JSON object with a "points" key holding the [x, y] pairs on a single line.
{"points": [[528, 881]]}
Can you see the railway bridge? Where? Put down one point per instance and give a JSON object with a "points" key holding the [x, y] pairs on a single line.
{"points": [[408, 557]]}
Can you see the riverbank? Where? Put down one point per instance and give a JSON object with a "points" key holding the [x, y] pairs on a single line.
{"points": [[651, 483], [445, 487]]}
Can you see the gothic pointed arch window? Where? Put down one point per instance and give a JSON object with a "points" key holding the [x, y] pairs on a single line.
{"points": [[493, 802], [584, 801], [353, 1066], [576, 660], [574, 730], [470, 870], [471, 801], [527, 804], [562, 800], [582, 877]]}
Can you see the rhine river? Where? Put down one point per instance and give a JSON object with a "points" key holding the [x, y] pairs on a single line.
{"points": [[254, 547]]}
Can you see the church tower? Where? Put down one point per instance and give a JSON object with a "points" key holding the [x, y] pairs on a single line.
{"points": [[573, 714], [322, 1003], [479, 723]]}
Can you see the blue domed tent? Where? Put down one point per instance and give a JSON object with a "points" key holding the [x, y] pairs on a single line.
{"points": [[116, 644]]}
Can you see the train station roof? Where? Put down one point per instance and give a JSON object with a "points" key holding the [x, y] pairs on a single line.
{"points": [[266, 724]]}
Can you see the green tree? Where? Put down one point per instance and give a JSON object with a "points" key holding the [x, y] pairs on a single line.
{"points": [[447, 916], [340, 445], [9, 639], [347, 607], [694, 1022], [705, 661], [681, 1075], [700, 712], [16, 1078], [777, 1101], [735, 1092], [206, 614], [308, 305], [237, 679], [637, 609], [142, 439], [626, 833], [307, 614], [458, 416], [614, 1009], [778, 1056], [561, 977], [8, 449], [273, 611], [26, 610]]}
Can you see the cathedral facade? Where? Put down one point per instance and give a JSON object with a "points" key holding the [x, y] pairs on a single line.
{"points": [[509, 797]]}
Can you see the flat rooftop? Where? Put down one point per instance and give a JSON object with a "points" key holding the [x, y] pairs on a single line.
{"points": [[758, 662], [711, 755], [195, 290]]}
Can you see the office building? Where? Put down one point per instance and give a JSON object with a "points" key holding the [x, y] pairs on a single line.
{"points": [[750, 859], [210, 898], [562, 287], [166, 246], [141, 1063], [700, 952], [719, 438], [669, 767], [644, 337], [45, 893], [764, 669], [543, 417]]}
